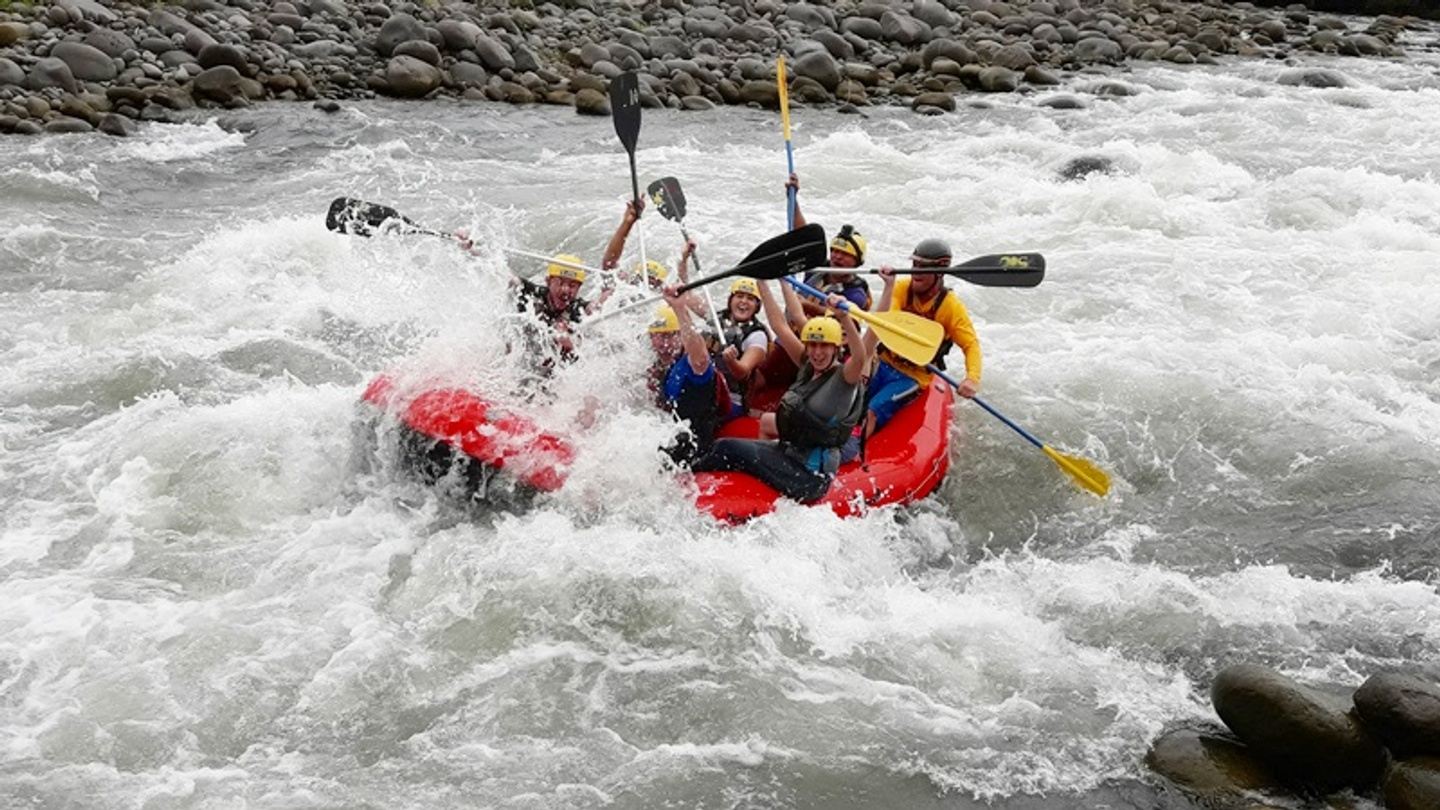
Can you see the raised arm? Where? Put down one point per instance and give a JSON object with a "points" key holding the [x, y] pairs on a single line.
{"points": [[696, 354], [784, 335], [794, 182], [859, 359], [887, 298], [622, 232]]}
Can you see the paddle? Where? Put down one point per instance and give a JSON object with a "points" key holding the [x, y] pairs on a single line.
{"points": [[670, 201], [361, 218], [1081, 471], [913, 337], [625, 111], [791, 252], [993, 270], [789, 149]]}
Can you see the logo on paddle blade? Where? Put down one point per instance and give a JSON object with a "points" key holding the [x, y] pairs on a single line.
{"points": [[1015, 262]]}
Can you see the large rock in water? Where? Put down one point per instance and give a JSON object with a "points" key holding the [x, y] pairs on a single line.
{"points": [[1303, 735], [1403, 712], [1413, 784], [1211, 766]]}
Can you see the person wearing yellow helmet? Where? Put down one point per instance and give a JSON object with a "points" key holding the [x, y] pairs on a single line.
{"points": [[683, 381], [847, 250], [816, 415], [744, 340]]}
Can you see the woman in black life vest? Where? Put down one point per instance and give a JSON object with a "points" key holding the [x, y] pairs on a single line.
{"points": [[816, 415]]}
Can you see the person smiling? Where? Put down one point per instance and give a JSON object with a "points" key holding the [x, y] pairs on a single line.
{"points": [[816, 415]]}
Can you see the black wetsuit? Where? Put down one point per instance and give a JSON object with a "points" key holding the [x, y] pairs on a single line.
{"points": [[816, 417]]}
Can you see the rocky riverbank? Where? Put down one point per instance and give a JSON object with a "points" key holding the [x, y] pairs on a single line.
{"points": [[1286, 740], [78, 65]]}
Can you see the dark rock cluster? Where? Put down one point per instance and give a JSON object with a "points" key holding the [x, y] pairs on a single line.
{"points": [[1286, 739], [77, 65]]}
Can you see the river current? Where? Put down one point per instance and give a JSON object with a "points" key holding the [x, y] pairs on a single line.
{"points": [[212, 601]]}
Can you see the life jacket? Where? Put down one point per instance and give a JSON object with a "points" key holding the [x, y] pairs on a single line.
{"points": [[929, 312], [825, 283], [805, 419], [735, 334], [704, 406]]}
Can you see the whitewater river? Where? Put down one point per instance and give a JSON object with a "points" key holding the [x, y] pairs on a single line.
{"points": [[211, 601]]}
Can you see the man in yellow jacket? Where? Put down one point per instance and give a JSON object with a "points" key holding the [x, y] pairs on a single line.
{"points": [[896, 379]]}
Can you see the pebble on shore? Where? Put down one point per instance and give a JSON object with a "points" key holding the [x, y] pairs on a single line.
{"points": [[73, 65]]}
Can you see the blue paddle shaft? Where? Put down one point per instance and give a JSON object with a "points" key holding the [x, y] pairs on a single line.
{"points": [[982, 403], [790, 192], [811, 291]]}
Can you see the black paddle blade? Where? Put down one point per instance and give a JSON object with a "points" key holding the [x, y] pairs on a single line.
{"points": [[625, 108], [668, 199], [1003, 270], [349, 215], [787, 254]]}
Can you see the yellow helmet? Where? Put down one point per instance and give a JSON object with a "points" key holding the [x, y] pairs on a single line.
{"points": [[745, 285], [849, 240], [653, 269], [821, 329], [665, 321], [566, 266]]}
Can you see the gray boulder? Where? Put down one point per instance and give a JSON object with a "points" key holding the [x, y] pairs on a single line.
{"points": [[117, 125], [667, 47], [458, 35], [996, 79], [1098, 49], [589, 101], [51, 72], [86, 63], [1313, 77], [932, 12], [467, 74], [67, 125], [111, 43], [904, 29], [408, 77], [1403, 712], [424, 51], [217, 54], [11, 73], [197, 41], [1303, 735], [820, 66], [810, 16], [943, 101], [759, 91], [221, 83], [397, 29], [493, 54]]}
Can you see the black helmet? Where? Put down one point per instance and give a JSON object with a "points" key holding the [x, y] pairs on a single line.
{"points": [[931, 251]]}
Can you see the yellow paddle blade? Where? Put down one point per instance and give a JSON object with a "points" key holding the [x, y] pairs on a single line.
{"points": [[784, 96], [913, 337], [1084, 473]]}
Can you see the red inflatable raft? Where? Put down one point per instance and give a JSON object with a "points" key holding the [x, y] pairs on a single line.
{"points": [[904, 462]]}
